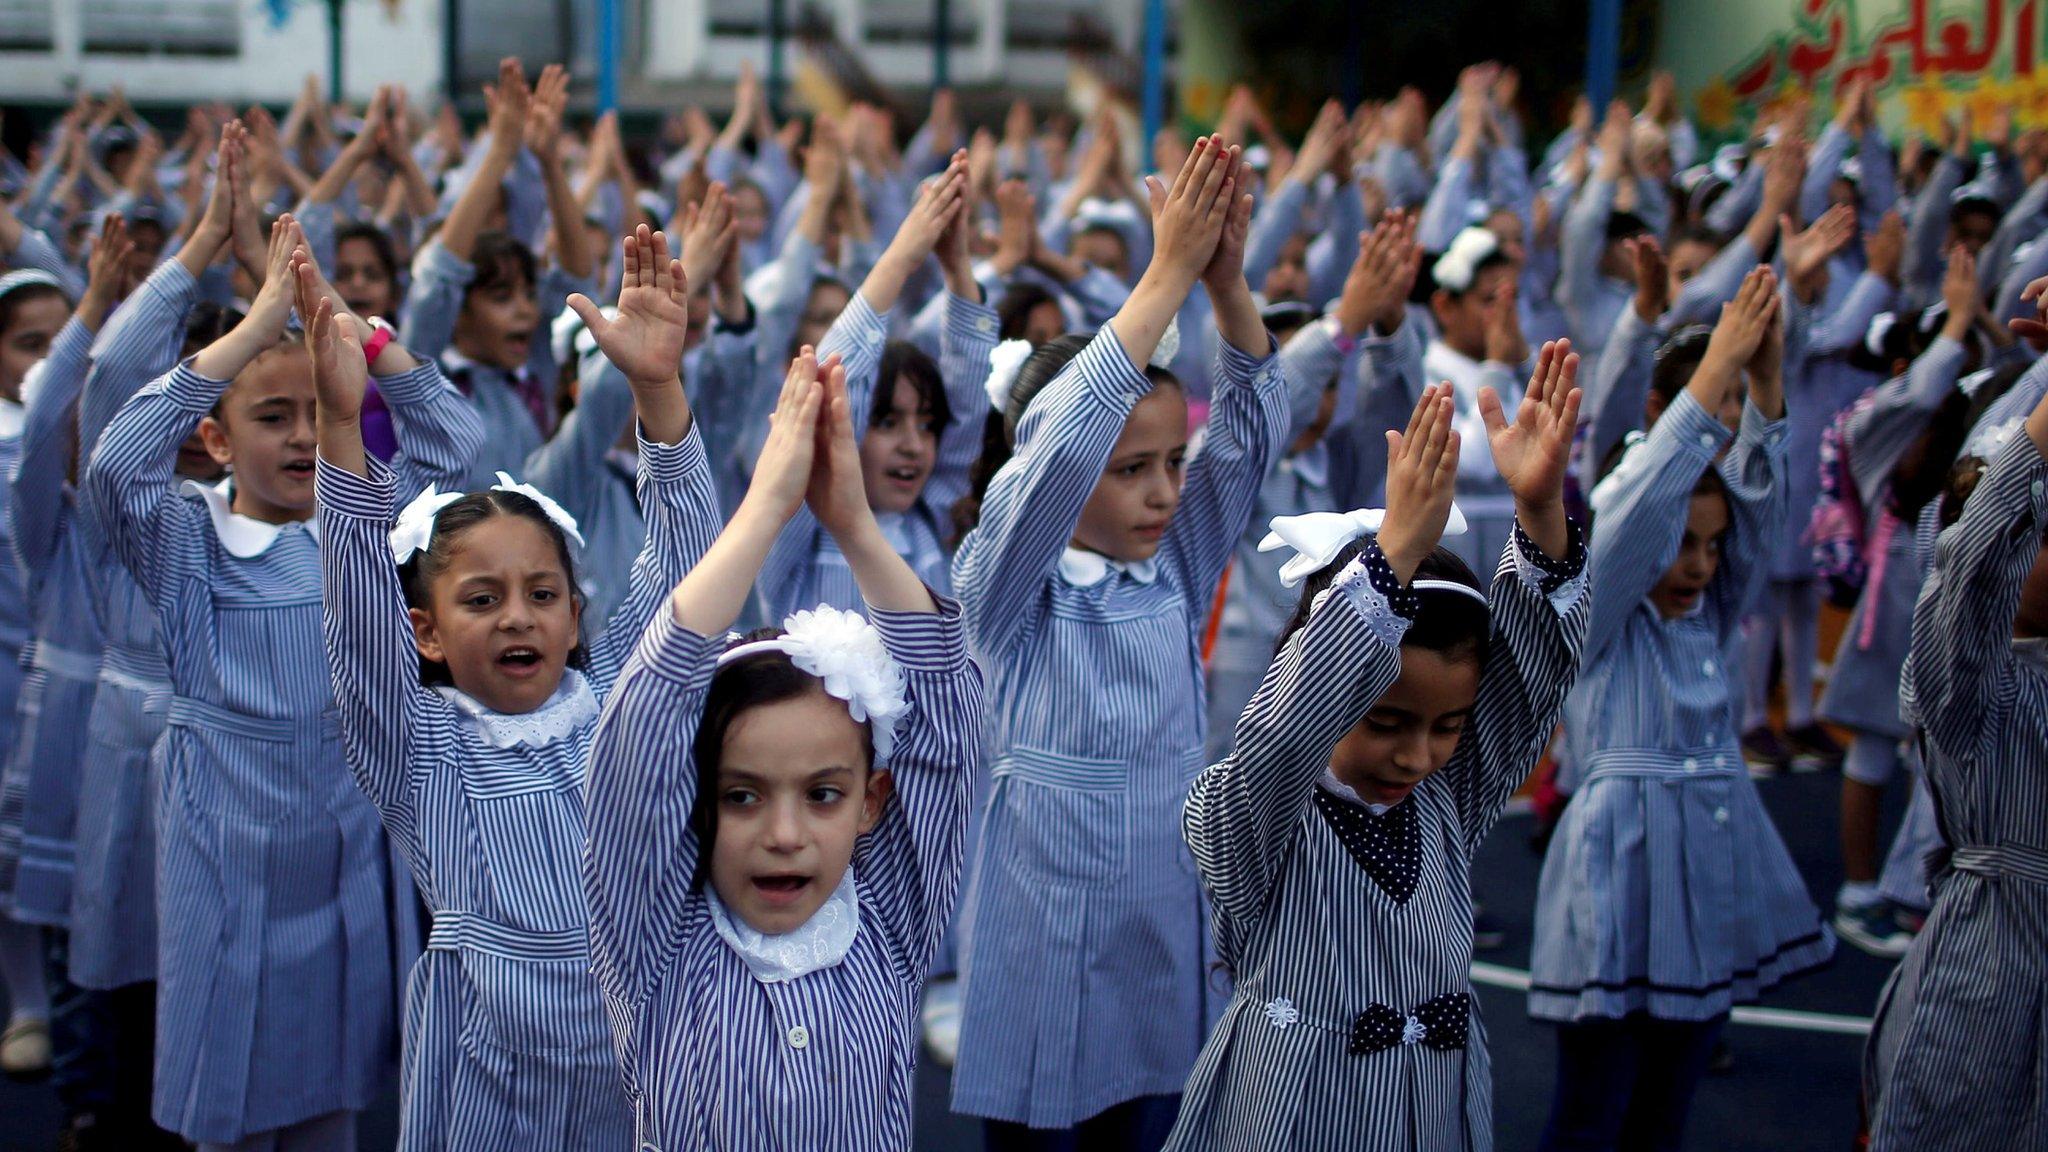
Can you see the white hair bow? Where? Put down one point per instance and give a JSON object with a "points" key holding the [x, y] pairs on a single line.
{"points": [[415, 527], [847, 653], [552, 510], [1317, 537], [1455, 269], [1004, 362]]}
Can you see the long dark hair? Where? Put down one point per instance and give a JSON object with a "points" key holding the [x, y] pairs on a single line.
{"points": [[1923, 472], [417, 575], [752, 681], [902, 360], [1452, 624]]}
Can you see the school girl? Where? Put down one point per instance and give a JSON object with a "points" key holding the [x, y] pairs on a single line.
{"points": [[1404, 707], [478, 298], [34, 309], [1085, 586], [775, 824], [918, 437], [1958, 1051], [478, 773], [275, 951], [1666, 894]]}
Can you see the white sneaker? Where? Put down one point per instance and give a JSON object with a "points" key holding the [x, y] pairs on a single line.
{"points": [[941, 1020], [1873, 929], [25, 1048]]}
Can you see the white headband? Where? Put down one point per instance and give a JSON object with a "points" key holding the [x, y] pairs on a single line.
{"points": [[1455, 269], [846, 652], [1317, 537], [414, 530]]}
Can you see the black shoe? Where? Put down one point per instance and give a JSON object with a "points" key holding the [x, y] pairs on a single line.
{"points": [[1764, 752], [1722, 1061], [1487, 934], [1813, 750]]}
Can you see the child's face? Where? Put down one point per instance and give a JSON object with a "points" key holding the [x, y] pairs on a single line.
{"points": [[1687, 258], [34, 325], [794, 792], [897, 454], [749, 213], [1289, 278], [1464, 318], [1044, 324], [1413, 729], [496, 324], [265, 431], [1132, 505], [826, 302], [1699, 557], [361, 278], [1103, 248], [502, 615]]}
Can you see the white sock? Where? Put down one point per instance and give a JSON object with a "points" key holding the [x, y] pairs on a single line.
{"points": [[1858, 894]]}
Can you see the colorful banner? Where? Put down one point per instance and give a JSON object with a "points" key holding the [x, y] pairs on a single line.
{"points": [[1931, 60]]}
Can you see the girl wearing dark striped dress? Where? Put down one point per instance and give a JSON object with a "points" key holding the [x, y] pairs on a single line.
{"points": [[478, 771], [917, 420], [764, 897], [1666, 895], [1959, 1052], [1085, 970], [1403, 709], [275, 1017]]}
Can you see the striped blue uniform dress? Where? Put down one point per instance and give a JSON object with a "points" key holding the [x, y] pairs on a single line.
{"points": [[1863, 686], [1959, 1053], [713, 1057], [37, 839], [506, 1041], [1083, 940], [1283, 1070], [113, 904], [1666, 887], [14, 617], [805, 567], [276, 989]]}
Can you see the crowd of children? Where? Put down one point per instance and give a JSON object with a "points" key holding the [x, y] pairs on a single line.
{"points": [[643, 643]]}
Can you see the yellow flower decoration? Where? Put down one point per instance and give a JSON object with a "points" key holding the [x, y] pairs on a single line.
{"points": [[1926, 105], [1716, 105]]}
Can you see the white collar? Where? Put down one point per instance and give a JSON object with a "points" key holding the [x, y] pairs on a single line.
{"points": [[1084, 569], [12, 417], [895, 528], [1343, 791], [817, 944], [245, 537], [571, 708], [1311, 465], [454, 363]]}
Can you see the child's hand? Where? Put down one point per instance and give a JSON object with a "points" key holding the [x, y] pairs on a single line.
{"points": [[1532, 453], [1188, 218], [1745, 321], [1653, 278], [1807, 253], [956, 260], [940, 201], [783, 472], [708, 233], [273, 304], [1017, 235], [543, 127], [645, 341], [107, 278], [1226, 267], [510, 105], [1422, 473], [2034, 331], [340, 374], [1376, 290], [837, 493], [1959, 292]]}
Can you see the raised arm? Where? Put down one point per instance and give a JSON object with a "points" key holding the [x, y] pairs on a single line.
{"points": [[543, 134]]}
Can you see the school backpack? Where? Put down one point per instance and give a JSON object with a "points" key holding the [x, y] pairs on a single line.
{"points": [[1836, 531]]}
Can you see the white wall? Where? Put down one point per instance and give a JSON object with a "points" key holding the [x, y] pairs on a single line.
{"points": [[378, 48]]}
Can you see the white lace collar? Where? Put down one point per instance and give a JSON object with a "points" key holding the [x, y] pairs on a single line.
{"points": [[245, 537], [1343, 791], [12, 418], [1084, 569], [819, 943], [572, 707]]}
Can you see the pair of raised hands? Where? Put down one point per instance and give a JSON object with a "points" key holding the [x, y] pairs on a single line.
{"points": [[811, 456], [1200, 223], [1531, 454]]}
